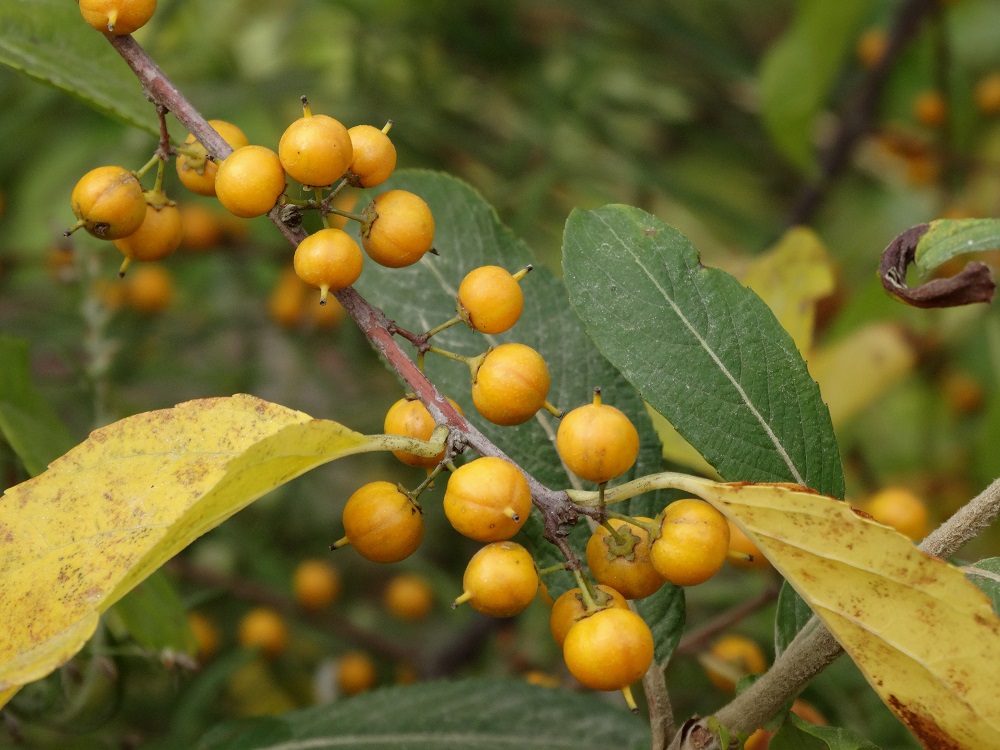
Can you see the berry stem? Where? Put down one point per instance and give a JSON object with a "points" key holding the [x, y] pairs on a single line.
{"points": [[586, 591], [388, 126], [447, 324], [349, 214], [141, 172], [451, 355], [306, 109], [522, 273], [651, 528], [551, 569]]}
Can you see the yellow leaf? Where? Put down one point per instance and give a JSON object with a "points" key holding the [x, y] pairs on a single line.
{"points": [[108, 513], [925, 637], [855, 371], [790, 278]]}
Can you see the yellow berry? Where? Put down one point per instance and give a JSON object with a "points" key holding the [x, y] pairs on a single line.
{"points": [[490, 299], [206, 636], [739, 656], [117, 17], [109, 203], [623, 562], [382, 523], [930, 109], [316, 584], [397, 229], [597, 442], [288, 299], [487, 499], [511, 384], [315, 150], [900, 508], [355, 673], [374, 156], [693, 542], [158, 236], [150, 289], [500, 580], [265, 629], [409, 417], [987, 93], [569, 608], [408, 597], [871, 47], [250, 181], [328, 259], [609, 650]]}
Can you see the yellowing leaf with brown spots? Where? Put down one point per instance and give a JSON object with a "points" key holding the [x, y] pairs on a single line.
{"points": [[76, 538], [924, 636]]}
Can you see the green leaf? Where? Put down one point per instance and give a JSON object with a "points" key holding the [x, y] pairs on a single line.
{"points": [[947, 238], [664, 612], [791, 614], [460, 715], [49, 41], [801, 68], [702, 349], [27, 422], [798, 734], [468, 234], [986, 575], [154, 615]]}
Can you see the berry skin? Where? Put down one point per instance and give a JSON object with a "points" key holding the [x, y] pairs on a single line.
{"points": [[158, 236], [487, 499], [117, 17], [409, 417], [374, 156], [315, 149], [742, 657], [511, 384], [265, 629], [149, 289], [250, 181], [382, 523], [196, 171], [597, 442], [397, 229], [316, 584], [109, 203], [490, 299], [328, 259], [500, 580], [569, 608], [355, 673], [900, 508], [609, 650], [740, 544], [624, 566], [693, 542], [408, 597]]}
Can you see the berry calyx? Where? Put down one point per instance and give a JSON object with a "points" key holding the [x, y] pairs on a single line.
{"points": [[328, 259], [108, 202], [315, 149], [374, 155], [510, 384], [265, 629], [408, 597], [487, 499], [490, 299], [692, 544], [500, 580], [410, 418], [570, 607], [397, 229], [382, 523], [609, 650], [597, 442], [197, 172], [316, 584], [622, 560], [250, 181], [117, 17]]}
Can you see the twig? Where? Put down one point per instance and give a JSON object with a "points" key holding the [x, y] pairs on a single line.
{"points": [[695, 640], [857, 120]]}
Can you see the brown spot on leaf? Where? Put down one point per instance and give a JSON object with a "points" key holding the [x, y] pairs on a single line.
{"points": [[972, 284], [923, 727]]}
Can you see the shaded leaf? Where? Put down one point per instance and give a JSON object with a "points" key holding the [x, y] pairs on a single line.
{"points": [[948, 238], [791, 615], [162, 479], [49, 41], [664, 612], [677, 450], [970, 285], [154, 615], [468, 234], [27, 422], [800, 69], [925, 638], [702, 349], [460, 715], [798, 734], [986, 575]]}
